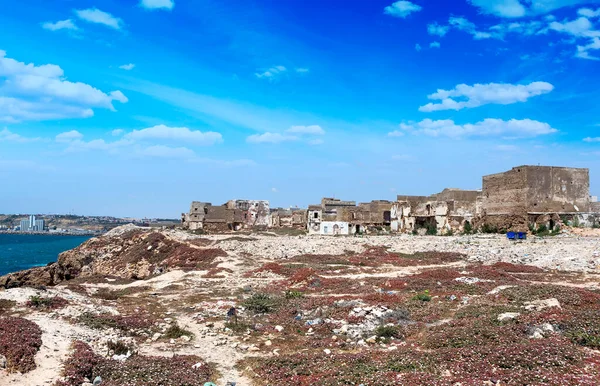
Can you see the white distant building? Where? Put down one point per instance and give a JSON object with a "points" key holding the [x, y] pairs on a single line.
{"points": [[334, 228], [32, 225]]}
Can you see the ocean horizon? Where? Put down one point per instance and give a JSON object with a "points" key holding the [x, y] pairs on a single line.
{"points": [[24, 251]]}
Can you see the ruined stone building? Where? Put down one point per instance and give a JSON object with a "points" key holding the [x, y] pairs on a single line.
{"points": [[450, 209], [288, 218], [255, 213], [515, 200], [536, 195]]}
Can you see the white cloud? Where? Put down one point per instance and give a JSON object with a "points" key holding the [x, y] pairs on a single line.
{"points": [[63, 24], [157, 4], [117, 132], [9, 136], [274, 190], [502, 8], [270, 138], [15, 110], [489, 127], [163, 132], [434, 45], [127, 67], [592, 139], [418, 47], [311, 130], [40, 93], [94, 15], [272, 72], [302, 70], [161, 151], [580, 27], [589, 12], [521, 8], [583, 51], [483, 94], [464, 25], [315, 142], [401, 9], [69, 136], [436, 29]]}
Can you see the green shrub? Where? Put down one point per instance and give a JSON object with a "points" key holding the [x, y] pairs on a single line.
{"points": [[175, 332], [487, 228], [260, 303], [118, 347], [468, 228], [388, 332], [46, 303], [293, 294], [424, 296], [431, 230]]}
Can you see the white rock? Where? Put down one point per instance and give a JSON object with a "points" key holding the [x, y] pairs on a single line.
{"points": [[327, 351], [279, 328], [538, 305], [507, 316], [268, 343], [547, 327]]}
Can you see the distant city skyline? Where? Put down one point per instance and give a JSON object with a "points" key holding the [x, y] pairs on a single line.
{"points": [[103, 113]]}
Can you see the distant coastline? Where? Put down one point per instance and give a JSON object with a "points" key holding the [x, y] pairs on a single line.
{"points": [[46, 233]]}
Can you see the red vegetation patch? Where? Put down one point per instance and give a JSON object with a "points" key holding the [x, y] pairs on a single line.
{"points": [[517, 268], [552, 361], [20, 340], [130, 324], [136, 371]]}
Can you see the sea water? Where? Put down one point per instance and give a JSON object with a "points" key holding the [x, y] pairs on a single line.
{"points": [[24, 251]]}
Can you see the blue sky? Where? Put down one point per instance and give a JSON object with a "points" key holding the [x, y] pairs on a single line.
{"points": [[137, 107]]}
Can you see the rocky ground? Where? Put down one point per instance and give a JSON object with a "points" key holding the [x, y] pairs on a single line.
{"points": [[146, 307]]}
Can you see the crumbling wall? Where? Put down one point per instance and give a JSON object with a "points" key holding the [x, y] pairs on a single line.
{"points": [[505, 193], [558, 189]]}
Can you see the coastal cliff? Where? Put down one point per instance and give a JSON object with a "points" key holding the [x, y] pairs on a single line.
{"points": [[127, 252]]}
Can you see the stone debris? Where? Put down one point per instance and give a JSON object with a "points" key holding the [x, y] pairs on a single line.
{"points": [[538, 305], [508, 316], [471, 280]]}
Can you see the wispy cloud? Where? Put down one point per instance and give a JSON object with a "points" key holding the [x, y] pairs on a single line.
{"points": [[483, 94], [60, 25], [271, 138], [272, 73], [436, 29], [96, 16], [183, 134], [434, 45], [514, 128], [69, 136], [312, 130], [401, 9], [157, 4], [127, 67], [8, 136]]}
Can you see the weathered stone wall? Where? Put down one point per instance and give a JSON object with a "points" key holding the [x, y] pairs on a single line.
{"points": [[527, 189], [557, 189], [505, 193]]}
